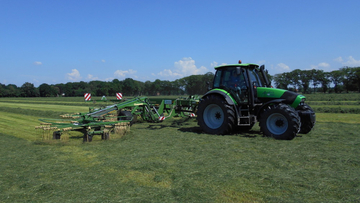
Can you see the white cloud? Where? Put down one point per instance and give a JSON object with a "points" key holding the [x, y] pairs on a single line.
{"points": [[38, 63], [282, 67], [125, 73], [214, 64], [352, 62], [74, 75], [184, 67], [349, 62], [103, 60], [168, 72], [91, 77], [109, 79], [339, 59], [322, 65]]}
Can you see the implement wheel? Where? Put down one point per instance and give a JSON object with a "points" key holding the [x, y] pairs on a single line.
{"points": [[105, 136], [56, 135], [280, 122], [87, 138], [126, 115], [215, 115]]}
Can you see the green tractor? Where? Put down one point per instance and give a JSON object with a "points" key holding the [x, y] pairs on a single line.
{"points": [[241, 95]]}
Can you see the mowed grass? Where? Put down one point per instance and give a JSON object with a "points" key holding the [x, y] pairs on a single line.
{"points": [[45, 107], [173, 161]]}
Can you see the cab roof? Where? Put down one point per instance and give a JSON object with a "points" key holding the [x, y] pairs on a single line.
{"points": [[237, 65]]}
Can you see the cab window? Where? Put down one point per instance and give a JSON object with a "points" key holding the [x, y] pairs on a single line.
{"points": [[254, 77]]}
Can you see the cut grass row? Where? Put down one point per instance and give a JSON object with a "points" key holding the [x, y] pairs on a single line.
{"points": [[333, 97], [45, 107], [174, 162]]}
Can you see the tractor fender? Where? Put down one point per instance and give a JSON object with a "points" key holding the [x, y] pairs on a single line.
{"points": [[227, 98], [276, 101]]}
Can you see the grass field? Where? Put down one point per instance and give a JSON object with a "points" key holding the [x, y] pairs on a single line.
{"points": [[173, 161]]}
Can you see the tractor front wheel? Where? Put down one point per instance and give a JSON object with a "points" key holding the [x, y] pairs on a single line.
{"points": [[215, 115], [280, 121], [306, 124]]}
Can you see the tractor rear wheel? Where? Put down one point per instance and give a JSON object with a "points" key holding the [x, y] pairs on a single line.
{"points": [[306, 124], [280, 122], [215, 115]]}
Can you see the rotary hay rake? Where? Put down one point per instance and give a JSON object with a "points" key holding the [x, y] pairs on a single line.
{"points": [[115, 120]]}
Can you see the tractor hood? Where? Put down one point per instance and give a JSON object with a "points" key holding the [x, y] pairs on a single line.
{"points": [[266, 94]]}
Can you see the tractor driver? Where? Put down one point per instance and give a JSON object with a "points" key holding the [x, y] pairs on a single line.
{"points": [[237, 80]]}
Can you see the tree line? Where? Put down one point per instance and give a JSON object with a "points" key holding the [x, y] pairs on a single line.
{"points": [[307, 81], [190, 85]]}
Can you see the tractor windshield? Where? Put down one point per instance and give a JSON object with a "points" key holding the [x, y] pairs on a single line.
{"points": [[228, 77]]}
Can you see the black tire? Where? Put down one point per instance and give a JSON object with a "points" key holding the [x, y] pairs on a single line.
{"points": [[127, 115], [306, 124], [280, 121], [87, 138], [56, 135], [215, 115], [105, 136]]}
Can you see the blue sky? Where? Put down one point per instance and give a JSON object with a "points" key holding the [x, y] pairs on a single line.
{"points": [[50, 41]]}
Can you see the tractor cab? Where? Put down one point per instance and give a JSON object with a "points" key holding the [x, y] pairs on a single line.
{"points": [[241, 81]]}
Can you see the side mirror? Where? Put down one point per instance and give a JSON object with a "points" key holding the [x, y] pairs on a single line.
{"points": [[262, 70], [262, 67]]}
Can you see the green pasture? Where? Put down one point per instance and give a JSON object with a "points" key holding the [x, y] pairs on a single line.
{"points": [[174, 161], [333, 97], [46, 107]]}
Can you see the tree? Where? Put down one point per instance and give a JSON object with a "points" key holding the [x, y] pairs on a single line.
{"points": [[147, 88], [28, 90], [295, 79], [314, 77], [115, 87], [45, 90], [282, 80], [102, 88], [130, 87], [12, 91], [195, 84], [2, 90], [357, 77], [336, 77], [348, 75], [322, 78], [55, 90], [156, 87], [305, 76]]}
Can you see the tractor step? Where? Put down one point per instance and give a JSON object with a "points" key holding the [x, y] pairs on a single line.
{"points": [[245, 119]]}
